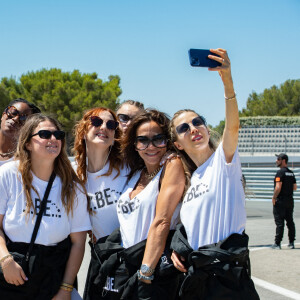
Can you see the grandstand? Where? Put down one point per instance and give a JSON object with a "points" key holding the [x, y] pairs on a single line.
{"points": [[260, 138]]}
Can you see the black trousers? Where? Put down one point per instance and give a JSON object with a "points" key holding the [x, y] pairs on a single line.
{"points": [[91, 292], [282, 213], [46, 277]]}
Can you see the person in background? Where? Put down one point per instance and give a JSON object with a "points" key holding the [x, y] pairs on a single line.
{"points": [[60, 242], [283, 201], [210, 245], [99, 166], [127, 111], [13, 118]]}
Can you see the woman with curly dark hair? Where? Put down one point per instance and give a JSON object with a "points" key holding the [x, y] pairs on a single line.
{"points": [[99, 166], [147, 210]]}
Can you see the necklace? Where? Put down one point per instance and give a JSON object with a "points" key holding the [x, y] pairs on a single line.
{"points": [[151, 175], [7, 154]]}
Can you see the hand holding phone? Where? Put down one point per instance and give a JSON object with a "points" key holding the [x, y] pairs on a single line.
{"points": [[199, 58]]}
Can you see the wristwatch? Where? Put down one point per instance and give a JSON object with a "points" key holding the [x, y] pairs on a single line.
{"points": [[140, 276], [146, 270]]}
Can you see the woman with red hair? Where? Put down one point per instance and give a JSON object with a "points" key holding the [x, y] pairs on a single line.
{"points": [[99, 166]]}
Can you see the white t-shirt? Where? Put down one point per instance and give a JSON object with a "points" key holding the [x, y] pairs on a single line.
{"points": [[136, 215], [2, 162], [104, 193], [214, 205], [55, 226]]}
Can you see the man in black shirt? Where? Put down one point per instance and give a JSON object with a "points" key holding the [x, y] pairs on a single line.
{"points": [[283, 201]]}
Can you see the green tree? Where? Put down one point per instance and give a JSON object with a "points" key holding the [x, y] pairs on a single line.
{"points": [[282, 101], [219, 128], [9, 89], [64, 95]]}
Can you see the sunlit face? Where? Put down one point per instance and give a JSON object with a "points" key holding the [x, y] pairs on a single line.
{"points": [[128, 110], [151, 155], [195, 138], [10, 125], [101, 136], [44, 148]]}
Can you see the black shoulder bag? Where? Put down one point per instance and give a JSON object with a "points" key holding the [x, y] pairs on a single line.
{"points": [[25, 260]]}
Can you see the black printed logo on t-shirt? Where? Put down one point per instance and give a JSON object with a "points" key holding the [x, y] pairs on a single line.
{"points": [[127, 207], [104, 198], [51, 209], [196, 191]]}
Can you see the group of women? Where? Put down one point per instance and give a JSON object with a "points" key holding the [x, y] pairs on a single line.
{"points": [[151, 215]]}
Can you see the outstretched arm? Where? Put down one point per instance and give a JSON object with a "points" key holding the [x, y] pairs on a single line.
{"points": [[231, 130]]}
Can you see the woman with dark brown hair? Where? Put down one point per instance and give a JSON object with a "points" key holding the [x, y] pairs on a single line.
{"points": [[98, 164], [147, 209], [59, 245]]}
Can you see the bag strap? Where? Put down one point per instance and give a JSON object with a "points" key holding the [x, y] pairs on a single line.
{"points": [[39, 216]]}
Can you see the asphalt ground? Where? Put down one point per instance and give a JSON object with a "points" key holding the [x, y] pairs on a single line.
{"points": [[276, 273]]}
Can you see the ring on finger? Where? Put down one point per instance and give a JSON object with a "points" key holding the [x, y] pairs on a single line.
{"points": [[223, 60]]}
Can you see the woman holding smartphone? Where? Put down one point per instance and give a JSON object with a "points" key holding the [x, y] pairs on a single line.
{"points": [[211, 246], [99, 166], [59, 245]]}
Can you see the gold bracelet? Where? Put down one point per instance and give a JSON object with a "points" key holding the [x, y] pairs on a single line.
{"points": [[5, 257], [67, 285], [230, 98], [5, 263], [66, 288]]}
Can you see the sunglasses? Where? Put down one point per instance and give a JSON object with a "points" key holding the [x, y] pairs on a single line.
{"points": [[143, 142], [124, 118], [110, 124], [184, 127], [12, 112], [46, 134]]}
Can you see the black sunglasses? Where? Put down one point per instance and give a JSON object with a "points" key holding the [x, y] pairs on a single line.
{"points": [[46, 134], [184, 127], [110, 124], [124, 118], [12, 112], [158, 141]]}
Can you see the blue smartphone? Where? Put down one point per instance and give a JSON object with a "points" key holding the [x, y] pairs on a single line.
{"points": [[199, 58]]}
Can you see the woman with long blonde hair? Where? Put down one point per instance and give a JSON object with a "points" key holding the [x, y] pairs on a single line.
{"points": [[59, 246]]}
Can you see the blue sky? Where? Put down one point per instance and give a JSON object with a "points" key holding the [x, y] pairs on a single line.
{"points": [[146, 44]]}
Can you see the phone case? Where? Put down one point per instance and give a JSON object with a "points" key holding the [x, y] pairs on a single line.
{"points": [[199, 58]]}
